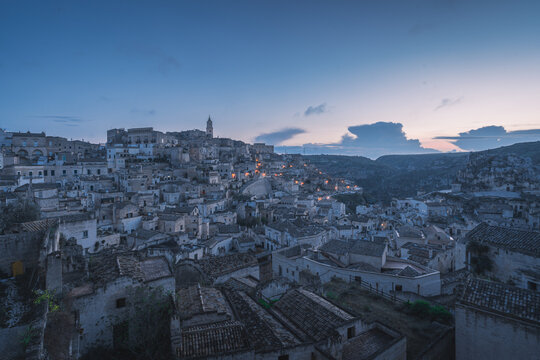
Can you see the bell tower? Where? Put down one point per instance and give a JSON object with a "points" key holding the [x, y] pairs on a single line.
{"points": [[209, 128]]}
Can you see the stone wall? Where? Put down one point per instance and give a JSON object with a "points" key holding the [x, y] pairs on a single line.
{"points": [[484, 335], [85, 231], [426, 285], [19, 247]]}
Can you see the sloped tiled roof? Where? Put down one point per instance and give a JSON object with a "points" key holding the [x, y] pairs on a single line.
{"points": [[526, 242], [215, 266], [313, 315], [198, 300], [264, 332], [213, 339], [409, 272], [502, 298], [367, 344], [360, 247], [107, 266]]}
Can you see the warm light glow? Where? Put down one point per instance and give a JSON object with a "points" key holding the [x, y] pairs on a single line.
{"points": [[233, 175]]}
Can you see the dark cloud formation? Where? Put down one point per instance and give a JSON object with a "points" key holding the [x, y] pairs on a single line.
{"points": [[315, 110], [370, 140], [489, 137], [62, 119], [280, 136], [446, 102]]}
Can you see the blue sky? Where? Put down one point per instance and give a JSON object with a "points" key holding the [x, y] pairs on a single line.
{"points": [[320, 68]]}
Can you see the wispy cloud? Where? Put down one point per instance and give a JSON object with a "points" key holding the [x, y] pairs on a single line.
{"points": [[165, 63], [145, 112], [446, 102], [420, 28], [489, 137], [315, 110], [62, 119], [104, 98], [280, 136]]}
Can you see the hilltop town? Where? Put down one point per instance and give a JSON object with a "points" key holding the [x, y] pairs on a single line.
{"points": [[184, 245]]}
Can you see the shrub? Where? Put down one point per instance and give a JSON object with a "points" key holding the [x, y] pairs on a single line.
{"points": [[330, 295], [438, 312], [420, 308]]}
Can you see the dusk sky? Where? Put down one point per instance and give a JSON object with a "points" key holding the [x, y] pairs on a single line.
{"points": [[392, 76]]}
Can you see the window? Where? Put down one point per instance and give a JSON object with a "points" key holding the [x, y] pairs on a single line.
{"points": [[99, 171], [30, 173], [85, 234], [52, 172], [351, 332], [64, 172], [45, 172], [89, 172], [399, 287], [358, 279], [120, 303], [35, 143], [532, 286], [75, 172]]}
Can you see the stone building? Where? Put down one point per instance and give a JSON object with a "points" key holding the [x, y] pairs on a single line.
{"points": [[101, 306], [514, 254], [497, 321]]}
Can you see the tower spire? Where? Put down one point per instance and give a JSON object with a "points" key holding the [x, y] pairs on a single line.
{"points": [[209, 128]]}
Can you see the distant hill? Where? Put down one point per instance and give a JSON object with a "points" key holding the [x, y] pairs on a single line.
{"points": [[404, 175]]}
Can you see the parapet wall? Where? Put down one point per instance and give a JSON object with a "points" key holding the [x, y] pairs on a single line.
{"points": [[19, 247]]}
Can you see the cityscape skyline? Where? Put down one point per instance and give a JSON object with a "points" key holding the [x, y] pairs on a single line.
{"points": [[439, 71]]}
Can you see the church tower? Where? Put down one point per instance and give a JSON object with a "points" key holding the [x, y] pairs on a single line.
{"points": [[209, 128]]}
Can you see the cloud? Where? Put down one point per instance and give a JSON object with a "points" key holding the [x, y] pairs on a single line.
{"points": [[489, 137], [145, 112], [370, 140], [164, 62], [280, 136], [315, 110], [421, 28], [62, 119], [167, 64], [446, 102]]}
